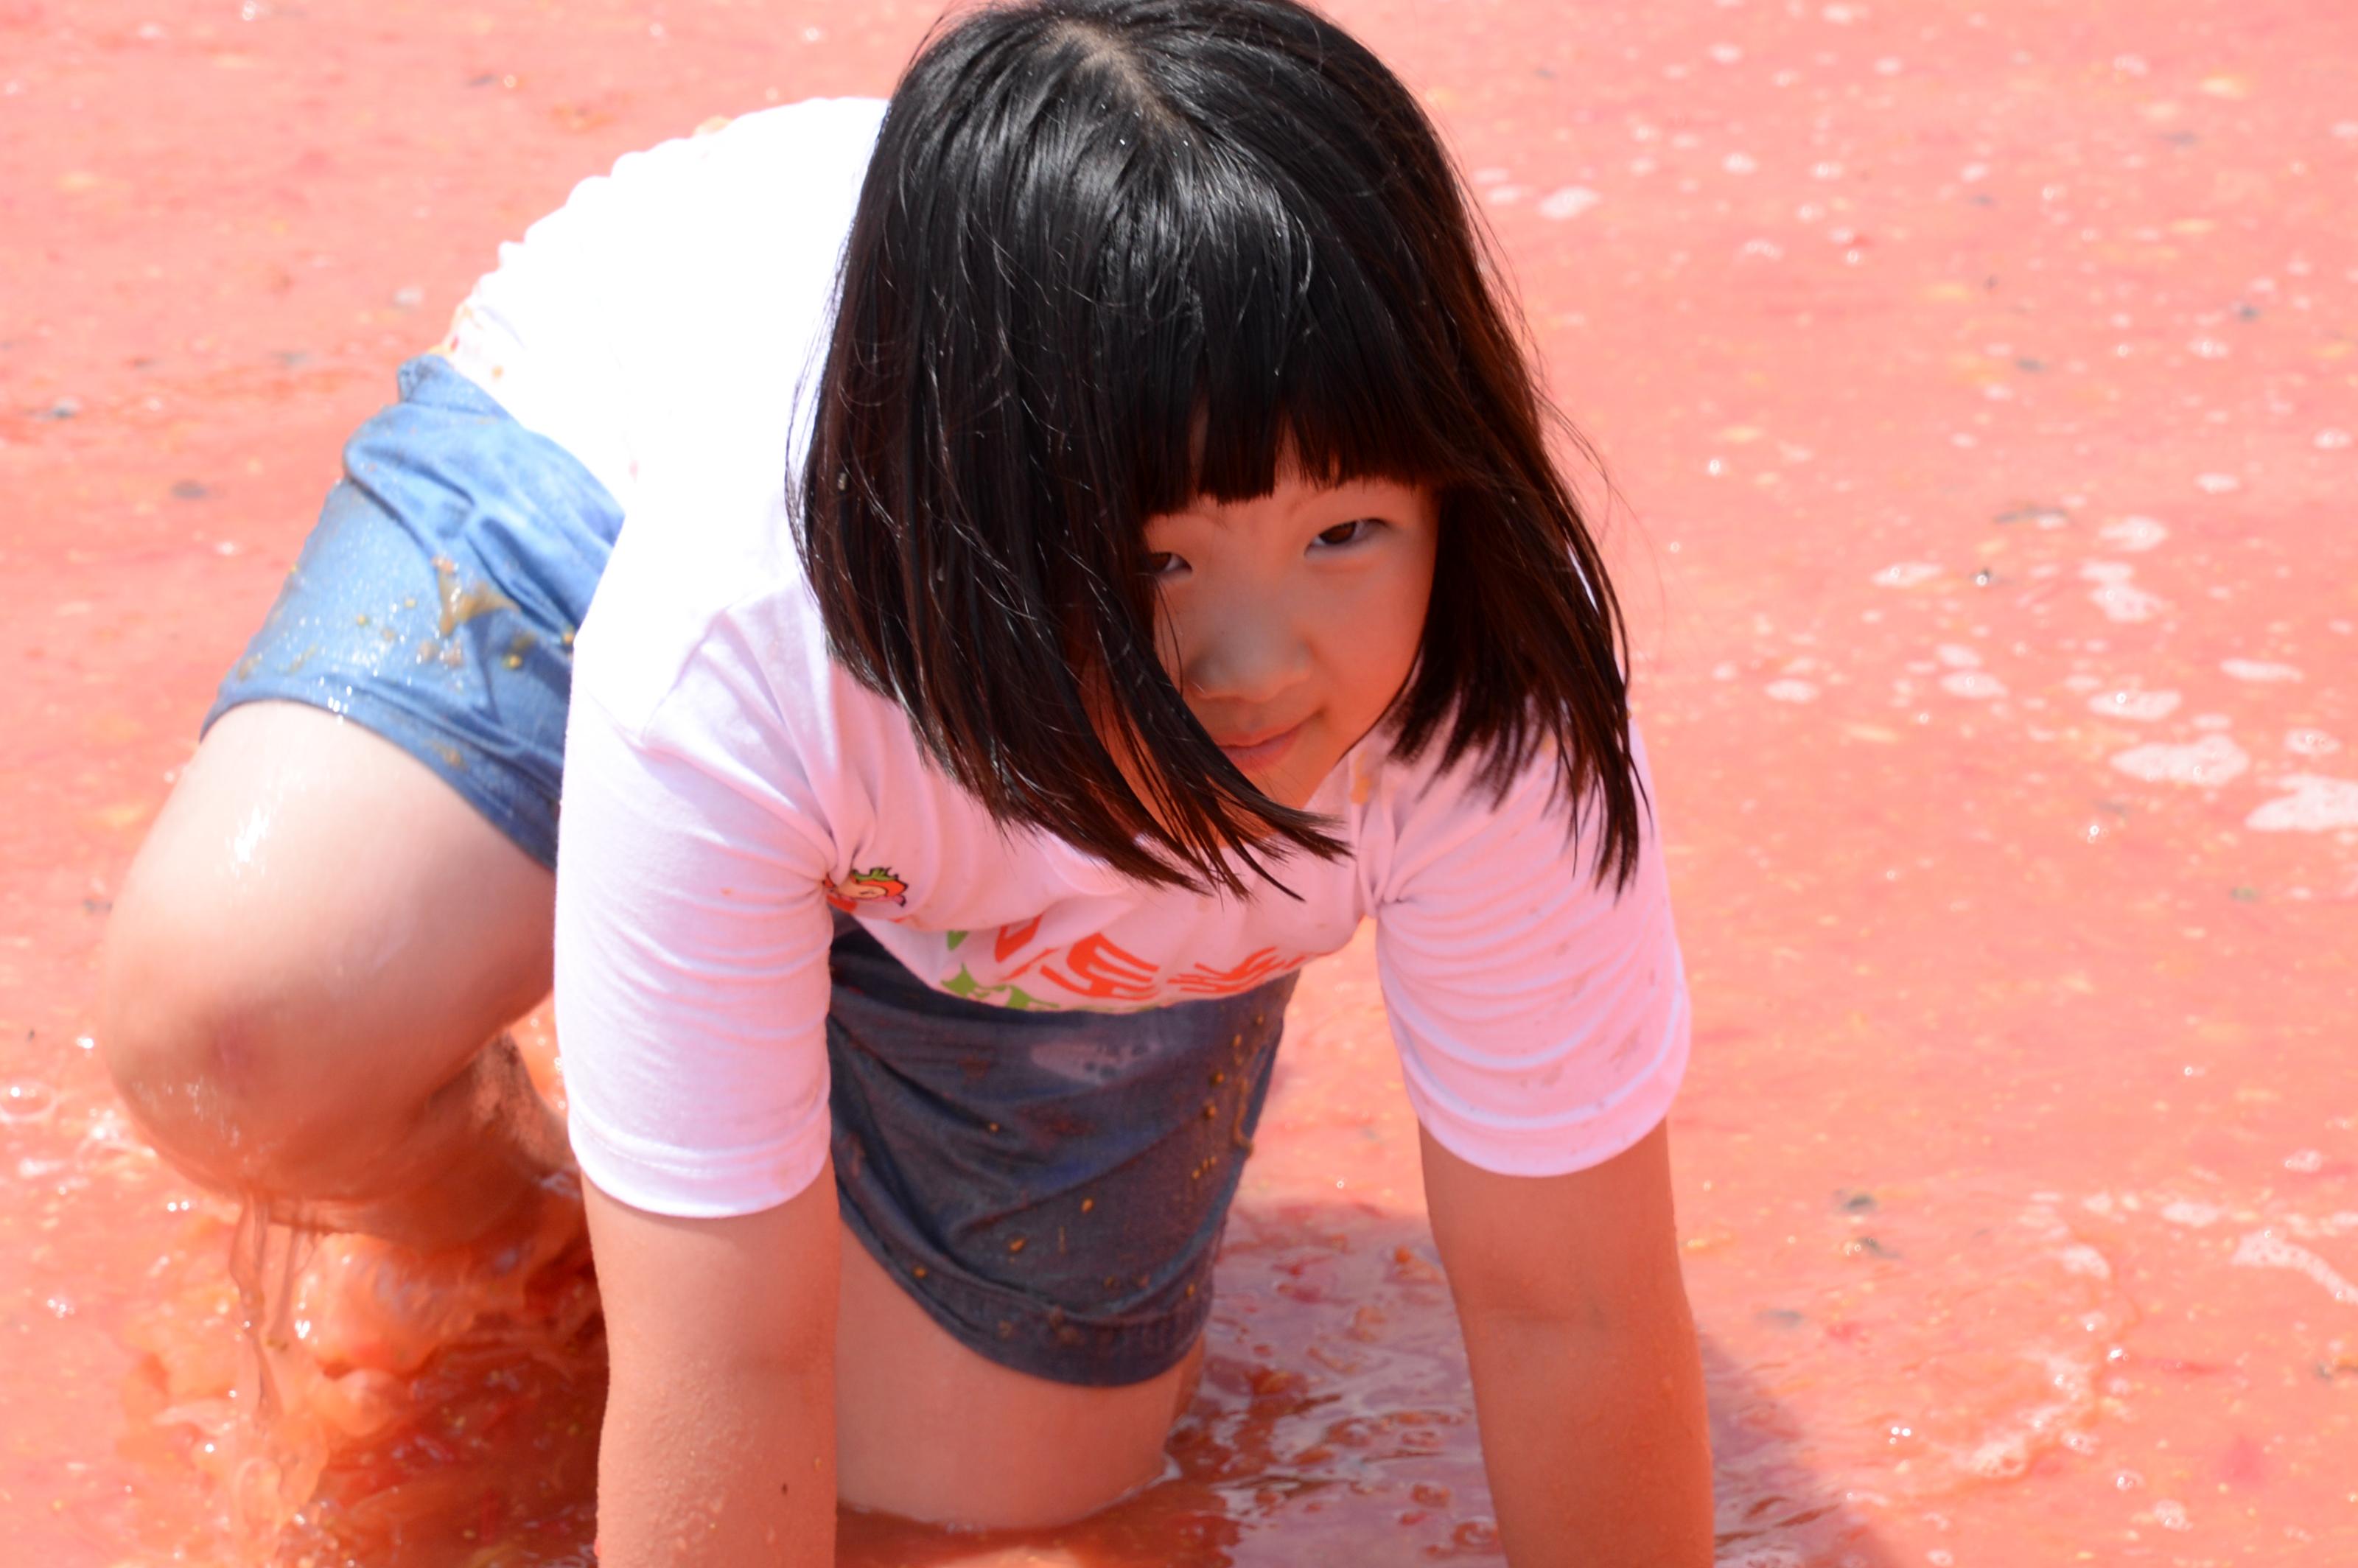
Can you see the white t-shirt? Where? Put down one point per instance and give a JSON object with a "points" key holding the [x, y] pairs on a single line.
{"points": [[725, 783]]}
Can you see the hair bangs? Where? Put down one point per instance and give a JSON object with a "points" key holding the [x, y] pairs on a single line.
{"points": [[1231, 339]]}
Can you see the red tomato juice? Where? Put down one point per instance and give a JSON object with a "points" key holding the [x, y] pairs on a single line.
{"points": [[1977, 379]]}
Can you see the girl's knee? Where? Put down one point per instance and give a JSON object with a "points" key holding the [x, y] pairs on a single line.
{"points": [[206, 1057]]}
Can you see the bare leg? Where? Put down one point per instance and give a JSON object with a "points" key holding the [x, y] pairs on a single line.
{"points": [[301, 975], [307, 958], [926, 1428]]}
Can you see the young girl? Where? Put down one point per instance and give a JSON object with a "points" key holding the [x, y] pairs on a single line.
{"points": [[1091, 541]]}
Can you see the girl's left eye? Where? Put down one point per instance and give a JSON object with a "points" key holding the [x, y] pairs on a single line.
{"points": [[1350, 533]]}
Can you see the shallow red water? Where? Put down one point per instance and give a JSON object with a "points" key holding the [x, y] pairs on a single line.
{"points": [[1974, 374]]}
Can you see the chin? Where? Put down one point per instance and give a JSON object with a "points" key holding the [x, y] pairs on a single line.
{"points": [[1291, 788]]}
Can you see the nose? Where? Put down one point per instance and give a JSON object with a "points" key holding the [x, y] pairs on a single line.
{"points": [[1247, 653]]}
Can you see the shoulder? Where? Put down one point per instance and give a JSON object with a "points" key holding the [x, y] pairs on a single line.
{"points": [[1426, 825]]}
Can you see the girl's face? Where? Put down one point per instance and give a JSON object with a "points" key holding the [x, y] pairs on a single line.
{"points": [[1289, 621]]}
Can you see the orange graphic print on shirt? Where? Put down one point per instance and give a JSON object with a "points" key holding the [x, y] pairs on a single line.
{"points": [[1098, 970], [875, 885], [1099, 974], [1205, 980]]}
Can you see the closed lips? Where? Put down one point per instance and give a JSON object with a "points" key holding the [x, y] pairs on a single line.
{"points": [[1246, 743]]}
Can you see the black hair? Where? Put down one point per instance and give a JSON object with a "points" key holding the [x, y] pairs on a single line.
{"points": [[1112, 255]]}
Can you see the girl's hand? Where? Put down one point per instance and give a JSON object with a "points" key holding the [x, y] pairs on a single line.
{"points": [[720, 1439]]}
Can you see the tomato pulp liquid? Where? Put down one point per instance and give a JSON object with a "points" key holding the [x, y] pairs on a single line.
{"points": [[1978, 381]]}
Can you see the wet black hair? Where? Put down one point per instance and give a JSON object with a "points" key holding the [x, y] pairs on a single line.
{"points": [[1112, 255]]}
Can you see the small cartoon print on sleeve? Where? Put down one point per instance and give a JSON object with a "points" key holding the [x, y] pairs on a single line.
{"points": [[873, 886]]}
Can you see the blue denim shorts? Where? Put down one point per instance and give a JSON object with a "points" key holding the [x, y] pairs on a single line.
{"points": [[435, 602], [1049, 1187]]}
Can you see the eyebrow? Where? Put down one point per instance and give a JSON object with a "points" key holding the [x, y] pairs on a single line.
{"points": [[1392, 488]]}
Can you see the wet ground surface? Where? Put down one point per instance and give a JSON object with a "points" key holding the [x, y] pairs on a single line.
{"points": [[1980, 382]]}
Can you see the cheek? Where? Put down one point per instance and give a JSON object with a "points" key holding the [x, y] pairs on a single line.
{"points": [[1172, 642], [1372, 637], [1394, 619]]}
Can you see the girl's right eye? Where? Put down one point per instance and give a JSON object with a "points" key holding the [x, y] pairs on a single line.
{"points": [[1163, 563]]}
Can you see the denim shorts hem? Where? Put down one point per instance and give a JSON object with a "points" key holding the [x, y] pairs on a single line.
{"points": [[1015, 1330], [511, 801]]}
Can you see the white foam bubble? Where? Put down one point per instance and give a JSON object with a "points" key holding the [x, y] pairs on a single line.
{"points": [[2180, 1211], [2208, 762], [2316, 805], [2120, 600], [2310, 743], [1980, 686], [2260, 670], [2133, 534], [2008, 1454], [1957, 656], [2125, 604], [1791, 690], [1906, 574], [2080, 1258], [2142, 706], [2266, 1249], [1570, 201]]}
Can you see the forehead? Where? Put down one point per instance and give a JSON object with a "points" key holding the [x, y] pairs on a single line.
{"points": [[1295, 493]]}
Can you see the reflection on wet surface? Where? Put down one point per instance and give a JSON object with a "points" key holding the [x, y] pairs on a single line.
{"points": [[1979, 384]]}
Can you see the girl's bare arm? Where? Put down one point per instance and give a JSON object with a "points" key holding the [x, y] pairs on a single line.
{"points": [[719, 1438], [1588, 1379]]}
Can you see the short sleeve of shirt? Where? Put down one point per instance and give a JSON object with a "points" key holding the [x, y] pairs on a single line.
{"points": [[692, 938], [1541, 1018]]}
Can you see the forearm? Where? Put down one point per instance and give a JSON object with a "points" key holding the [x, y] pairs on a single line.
{"points": [[719, 1448], [1594, 1439], [719, 1466]]}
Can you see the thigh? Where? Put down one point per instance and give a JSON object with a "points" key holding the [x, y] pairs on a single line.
{"points": [[929, 1429], [317, 929]]}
